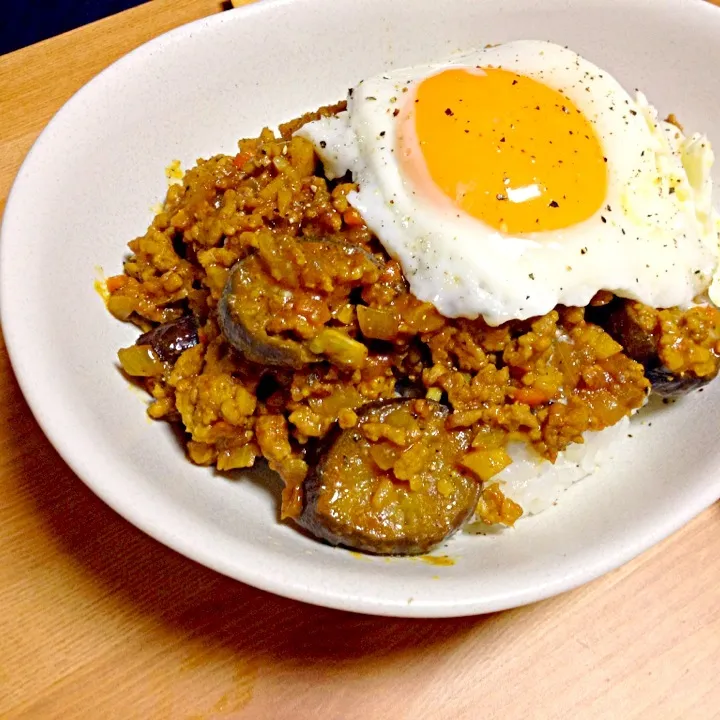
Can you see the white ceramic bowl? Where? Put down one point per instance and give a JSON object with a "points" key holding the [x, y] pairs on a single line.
{"points": [[88, 185]]}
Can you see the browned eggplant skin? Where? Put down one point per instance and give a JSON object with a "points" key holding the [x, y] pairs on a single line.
{"points": [[668, 385], [340, 496], [641, 345], [171, 339], [250, 339], [638, 343]]}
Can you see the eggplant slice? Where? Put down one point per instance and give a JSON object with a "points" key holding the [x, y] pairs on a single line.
{"points": [[251, 294], [370, 493], [242, 315], [635, 328], [171, 339], [670, 385]]}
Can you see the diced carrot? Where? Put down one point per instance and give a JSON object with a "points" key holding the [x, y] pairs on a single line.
{"points": [[531, 396], [115, 282], [352, 217], [241, 158]]}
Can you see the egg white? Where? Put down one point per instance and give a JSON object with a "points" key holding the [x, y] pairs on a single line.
{"points": [[655, 238]]}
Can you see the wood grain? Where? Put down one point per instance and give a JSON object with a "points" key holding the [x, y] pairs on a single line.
{"points": [[98, 620]]}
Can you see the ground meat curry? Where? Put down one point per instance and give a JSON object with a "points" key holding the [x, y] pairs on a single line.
{"points": [[275, 326]]}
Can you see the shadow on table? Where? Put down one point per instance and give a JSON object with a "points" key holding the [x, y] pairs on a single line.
{"points": [[191, 600]]}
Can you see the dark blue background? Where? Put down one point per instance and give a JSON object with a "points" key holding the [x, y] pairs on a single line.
{"points": [[24, 22]]}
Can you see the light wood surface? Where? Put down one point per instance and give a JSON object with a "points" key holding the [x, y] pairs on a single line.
{"points": [[98, 620]]}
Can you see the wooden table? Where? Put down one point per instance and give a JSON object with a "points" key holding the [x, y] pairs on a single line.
{"points": [[98, 620]]}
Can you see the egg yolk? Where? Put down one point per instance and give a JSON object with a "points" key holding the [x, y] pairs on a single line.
{"points": [[505, 148]]}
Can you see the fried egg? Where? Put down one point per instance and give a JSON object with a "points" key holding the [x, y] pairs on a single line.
{"points": [[512, 179]]}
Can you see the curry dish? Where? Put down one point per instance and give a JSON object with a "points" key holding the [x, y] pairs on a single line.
{"points": [[275, 326]]}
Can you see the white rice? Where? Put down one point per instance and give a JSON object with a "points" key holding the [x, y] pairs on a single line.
{"points": [[536, 484]]}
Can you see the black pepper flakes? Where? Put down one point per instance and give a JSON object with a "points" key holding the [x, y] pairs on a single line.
{"points": [[323, 144], [449, 112], [553, 204], [396, 112]]}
